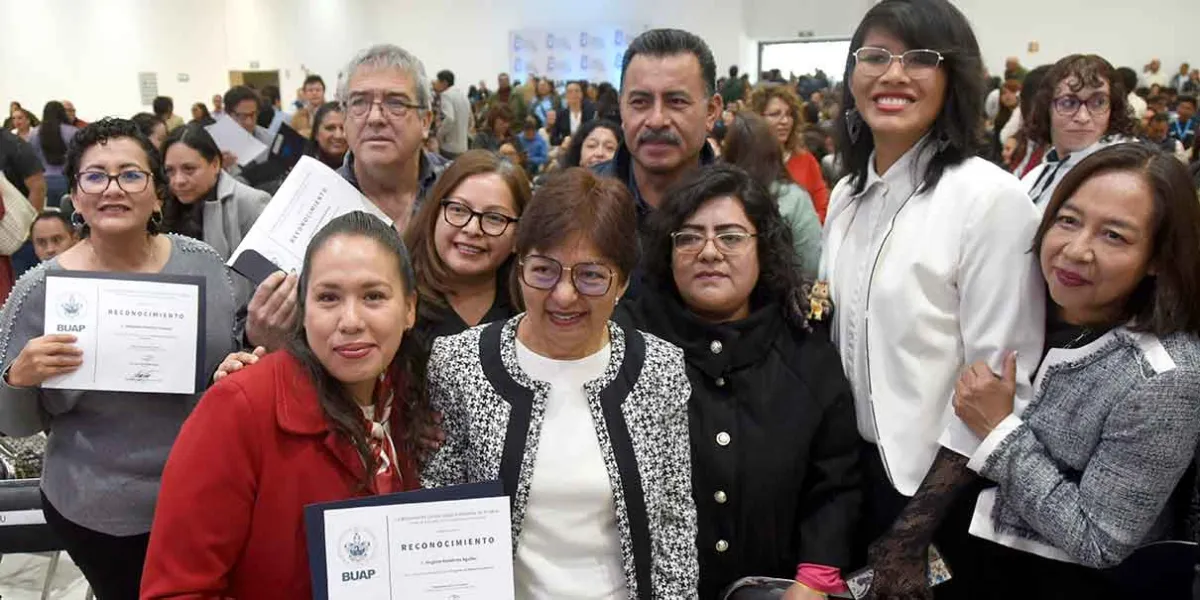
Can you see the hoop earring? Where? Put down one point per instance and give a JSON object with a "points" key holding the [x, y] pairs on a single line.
{"points": [[77, 221], [854, 125]]}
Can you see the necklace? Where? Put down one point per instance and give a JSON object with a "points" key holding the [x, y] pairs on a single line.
{"points": [[1071, 345]]}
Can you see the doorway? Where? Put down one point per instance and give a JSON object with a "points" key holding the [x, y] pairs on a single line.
{"points": [[254, 79]]}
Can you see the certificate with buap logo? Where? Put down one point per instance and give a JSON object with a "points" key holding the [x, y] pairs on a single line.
{"points": [[452, 543], [138, 332]]}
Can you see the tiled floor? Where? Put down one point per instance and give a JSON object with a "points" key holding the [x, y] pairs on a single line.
{"points": [[22, 576]]}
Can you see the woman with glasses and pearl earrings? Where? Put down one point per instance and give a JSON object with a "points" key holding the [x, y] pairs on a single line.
{"points": [[927, 261], [106, 450], [584, 421], [1081, 106], [462, 244]]}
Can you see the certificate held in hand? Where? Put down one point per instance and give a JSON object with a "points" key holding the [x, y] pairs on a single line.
{"points": [[434, 544], [138, 332]]}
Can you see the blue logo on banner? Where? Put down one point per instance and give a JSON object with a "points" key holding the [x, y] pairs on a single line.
{"points": [[583, 40], [583, 62], [550, 64]]}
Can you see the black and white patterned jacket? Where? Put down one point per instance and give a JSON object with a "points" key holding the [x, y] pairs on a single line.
{"points": [[492, 416]]}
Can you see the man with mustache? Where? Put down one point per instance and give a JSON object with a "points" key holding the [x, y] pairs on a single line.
{"points": [[668, 105]]}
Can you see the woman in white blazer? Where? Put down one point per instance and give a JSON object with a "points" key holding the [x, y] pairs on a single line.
{"points": [[928, 266]]}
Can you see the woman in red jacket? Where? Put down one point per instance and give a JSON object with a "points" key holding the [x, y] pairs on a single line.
{"points": [[780, 106], [333, 416]]}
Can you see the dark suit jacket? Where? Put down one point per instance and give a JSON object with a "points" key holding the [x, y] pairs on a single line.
{"points": [[562, 127]]}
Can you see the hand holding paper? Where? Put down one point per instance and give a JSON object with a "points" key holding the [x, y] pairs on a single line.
{"points": [[230, 137]]}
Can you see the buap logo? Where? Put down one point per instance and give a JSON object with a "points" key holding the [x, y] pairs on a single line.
{"points": [[71, 306], [356, 546]]}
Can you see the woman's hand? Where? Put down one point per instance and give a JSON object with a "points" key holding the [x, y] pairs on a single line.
{"points": [[981, 399], [236, 361], [272, 311], [803, 592], [45, 357], [431, 441]]}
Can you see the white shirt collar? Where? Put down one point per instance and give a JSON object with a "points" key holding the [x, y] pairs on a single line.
{"points": [[904, 177]]}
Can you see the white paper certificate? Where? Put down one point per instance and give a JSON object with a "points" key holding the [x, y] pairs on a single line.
{"points": [[311, 196], [138, 333], [424, 551], [230, 137]]}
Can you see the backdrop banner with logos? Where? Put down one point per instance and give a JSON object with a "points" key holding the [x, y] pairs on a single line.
{"points": [[590, 53]]}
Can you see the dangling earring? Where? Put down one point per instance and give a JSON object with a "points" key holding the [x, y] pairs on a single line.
{"points": [[154, 225], [943, 142], [854, 124], [77, 220]]}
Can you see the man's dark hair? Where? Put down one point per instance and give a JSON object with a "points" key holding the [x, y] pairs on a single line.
{"points": [[1187, 98], [1161, 117], [51, 215], [669, 42], [270, 95], [238, 94], [314, 79], [733, 71], [163, 106], [446, 76]]}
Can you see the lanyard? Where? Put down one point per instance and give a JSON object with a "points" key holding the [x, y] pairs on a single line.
{"points": [[1181, 134]]}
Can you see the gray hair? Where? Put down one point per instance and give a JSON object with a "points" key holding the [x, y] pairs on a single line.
{"points": [[384, 56]]}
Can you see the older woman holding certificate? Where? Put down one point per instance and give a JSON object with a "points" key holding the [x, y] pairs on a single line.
{"points": [[583, 421], [106, 449]]}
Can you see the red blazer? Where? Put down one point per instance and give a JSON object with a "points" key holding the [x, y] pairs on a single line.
{"points": [[806, 171], [230, 516]]}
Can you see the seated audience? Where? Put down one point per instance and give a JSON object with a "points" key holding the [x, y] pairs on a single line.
{"points": [[536, 151], [497, 130]]}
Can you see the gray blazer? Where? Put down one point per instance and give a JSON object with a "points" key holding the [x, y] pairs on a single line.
{"points": [[492, 416], [228, 219], [1090, 465]]}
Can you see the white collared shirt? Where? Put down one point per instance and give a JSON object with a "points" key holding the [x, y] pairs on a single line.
{"points": [[925, 282]]}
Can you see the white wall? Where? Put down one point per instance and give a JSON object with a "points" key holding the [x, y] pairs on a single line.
{"points": [[90, 51], [1128, 35]]}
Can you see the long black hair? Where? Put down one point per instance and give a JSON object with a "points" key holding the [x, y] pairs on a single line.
{"points": [[574, 152], [50, 135], [958, 129], [779, 278], [313, 148], [188, 219], [409, 364]]}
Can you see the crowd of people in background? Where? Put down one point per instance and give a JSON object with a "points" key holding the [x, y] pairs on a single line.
{"points": [[702, 328]]}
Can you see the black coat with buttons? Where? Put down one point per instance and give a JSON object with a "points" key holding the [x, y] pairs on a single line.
{"points": [[775, 444]]}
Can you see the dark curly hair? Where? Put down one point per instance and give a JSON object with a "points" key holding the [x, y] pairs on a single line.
{"points": [[1088, 70], [779, 278], [937, 25], [574, 152], [99, 134], [409, 364]]}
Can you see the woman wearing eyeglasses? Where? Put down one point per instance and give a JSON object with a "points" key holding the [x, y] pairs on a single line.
{"points": [[462, 244], [106, 450], [583, 420], [926, 257], [1081, 106], [774, 446]]}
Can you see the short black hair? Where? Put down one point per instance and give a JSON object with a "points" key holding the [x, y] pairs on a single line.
{"points": [[313, 79], [779, 279], [51, 215], [238, 94], [1190, 99], [446, 76], [100, 133], [1161, 117], [270, 94], [669, 42], [733, 71], [955, 133], [163, 105]]}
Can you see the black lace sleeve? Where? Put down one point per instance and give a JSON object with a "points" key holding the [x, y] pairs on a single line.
{"points": [[899, 558]]}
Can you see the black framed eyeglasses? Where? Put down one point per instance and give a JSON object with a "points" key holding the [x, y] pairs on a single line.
{"points": [[459, 215], [918, 64], [543, 273], [394, 105], [130, 181], [1068, 105], [728, 243]]}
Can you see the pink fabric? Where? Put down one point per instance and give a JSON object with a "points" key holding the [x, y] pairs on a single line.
{"points": [[821, 578]]}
